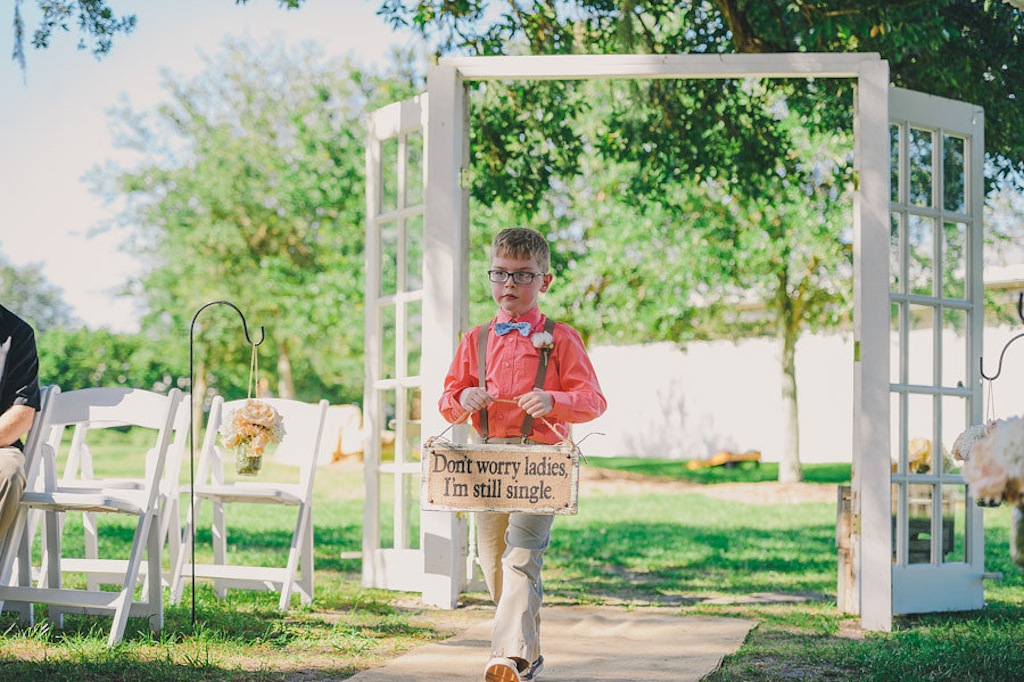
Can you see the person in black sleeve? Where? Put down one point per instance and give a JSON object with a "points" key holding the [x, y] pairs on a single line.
{"points": [[19, 402]]}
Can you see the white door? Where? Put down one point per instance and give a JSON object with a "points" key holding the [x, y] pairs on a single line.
{"points": [[936, 303], [395, 185]]}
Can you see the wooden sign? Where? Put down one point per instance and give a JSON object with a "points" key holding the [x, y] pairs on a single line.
{"points": [[539, 479]]}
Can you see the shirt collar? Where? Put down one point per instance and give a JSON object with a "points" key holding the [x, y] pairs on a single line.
{"points": [[533, 316]]}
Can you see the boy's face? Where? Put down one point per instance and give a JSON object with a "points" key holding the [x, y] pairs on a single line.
{"points": [[516, 299]]}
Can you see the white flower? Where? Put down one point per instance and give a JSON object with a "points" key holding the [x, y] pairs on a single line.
{"points": [[966, 441], [995, 469], [254, 426], [543, 340]]}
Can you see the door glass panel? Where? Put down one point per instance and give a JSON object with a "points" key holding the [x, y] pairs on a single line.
{"points": [[919, 523], [920, 419], [895, 261], [412, 424], [389, 258], [954, 421], [386, 508], [895, 435], [411, 511], [388, 346], [921, 244], [894, 162], [954, 260], [899, 530], [954, 347], [414, 253], [389, 174], [386, 404], [954, 523], [414, 170], [414, 337], [954, 174], [920, 145], [895, 375], [920, 367]]}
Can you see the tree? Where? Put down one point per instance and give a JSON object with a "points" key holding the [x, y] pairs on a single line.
{"points": [[83, 358], [26, 291], [249, 188]]}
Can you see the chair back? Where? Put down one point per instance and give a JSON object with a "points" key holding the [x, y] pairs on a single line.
{"points": [[36, 438], [303, 426], [107, 407]]}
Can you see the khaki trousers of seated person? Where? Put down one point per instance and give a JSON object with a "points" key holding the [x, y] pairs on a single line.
{"points": [[511, 550], [12, 484]]}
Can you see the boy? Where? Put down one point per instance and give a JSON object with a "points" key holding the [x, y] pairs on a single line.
{"points": [[518, 402], [19, 402]]}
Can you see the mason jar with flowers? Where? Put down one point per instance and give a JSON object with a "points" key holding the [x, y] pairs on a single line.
{"points": [[248, 431]]}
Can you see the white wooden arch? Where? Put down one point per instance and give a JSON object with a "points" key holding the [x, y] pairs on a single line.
{"points": [[442, 570]]}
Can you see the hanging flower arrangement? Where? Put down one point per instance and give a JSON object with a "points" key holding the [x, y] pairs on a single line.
{"points": [[248, 431], [993, 455], [994, 462]]}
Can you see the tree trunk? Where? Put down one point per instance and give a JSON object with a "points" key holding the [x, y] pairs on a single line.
{"points": [[789, 466], [285, 382]]}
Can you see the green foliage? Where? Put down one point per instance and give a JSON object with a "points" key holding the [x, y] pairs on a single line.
{"points": [[961, 49], [27, 293], [250, 190], [82, 358]]}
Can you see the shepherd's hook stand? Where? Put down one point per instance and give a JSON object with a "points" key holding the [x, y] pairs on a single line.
{"points": [[192, 428]]}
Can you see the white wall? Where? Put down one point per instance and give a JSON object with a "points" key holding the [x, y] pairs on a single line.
{"points": [[666, 402]]}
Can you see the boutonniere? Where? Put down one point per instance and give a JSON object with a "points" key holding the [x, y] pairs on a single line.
{"points": [[543, 341]]}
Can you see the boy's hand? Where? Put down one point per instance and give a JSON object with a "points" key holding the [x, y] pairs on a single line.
{"points": [[536, 403], [475, 398]]}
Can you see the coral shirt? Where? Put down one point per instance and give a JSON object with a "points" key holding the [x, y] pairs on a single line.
{"points": [[511, 366]]}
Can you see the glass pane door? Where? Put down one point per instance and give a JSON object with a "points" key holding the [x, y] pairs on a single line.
{"points": [[936, 303], [392, 555]]}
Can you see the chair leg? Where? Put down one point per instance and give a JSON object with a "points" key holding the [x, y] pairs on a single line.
{"points": [[51, 574], [184, 554], [295, 553], [155, 583], [171, 531], [220, 546], [306, 562], [123, 605], [15, 564], [91, 531]]}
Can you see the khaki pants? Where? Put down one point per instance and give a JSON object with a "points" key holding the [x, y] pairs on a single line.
{"points": [[12, 484], [511, 549]]}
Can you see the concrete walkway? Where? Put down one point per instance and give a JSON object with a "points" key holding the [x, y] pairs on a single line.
{"points": [[585, 644]]}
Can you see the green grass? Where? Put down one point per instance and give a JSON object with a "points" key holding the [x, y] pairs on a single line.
{"points": [[693, 553], [742, 472]]}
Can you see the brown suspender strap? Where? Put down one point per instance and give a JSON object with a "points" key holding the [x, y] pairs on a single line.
{"points": [[481, 369], [538, 385]]}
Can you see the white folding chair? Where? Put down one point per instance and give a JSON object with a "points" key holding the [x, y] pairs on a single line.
{"points": [[16, 547], [79, 473], [114, 407], [304, 425]]}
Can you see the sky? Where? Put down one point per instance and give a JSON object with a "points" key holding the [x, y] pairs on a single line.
{"points": [[54, 124]]}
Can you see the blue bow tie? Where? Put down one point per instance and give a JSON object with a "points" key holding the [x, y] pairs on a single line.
{"points": [[502, 328]]}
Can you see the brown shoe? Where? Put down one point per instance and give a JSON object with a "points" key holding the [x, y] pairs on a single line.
{"points": [[502, 670]]}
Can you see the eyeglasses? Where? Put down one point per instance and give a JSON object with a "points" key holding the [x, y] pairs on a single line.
{"points": [[523, 278]]}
